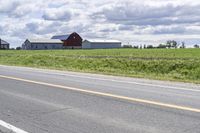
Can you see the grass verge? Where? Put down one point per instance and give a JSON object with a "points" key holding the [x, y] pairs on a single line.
{"points": [[162, 64]]}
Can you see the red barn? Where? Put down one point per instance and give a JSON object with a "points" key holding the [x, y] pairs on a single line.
{"points": [[70, 41]]}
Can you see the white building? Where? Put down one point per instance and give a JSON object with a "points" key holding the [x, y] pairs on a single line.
{"points": [[100, 44], [4, 44], [42, 44]]}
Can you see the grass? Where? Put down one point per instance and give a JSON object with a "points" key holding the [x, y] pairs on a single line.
{"points": [[163, 64]]}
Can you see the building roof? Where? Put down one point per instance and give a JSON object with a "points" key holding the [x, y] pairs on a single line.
{"points": [[44, 41], [102, 41], [3, 42], [61, 37]]}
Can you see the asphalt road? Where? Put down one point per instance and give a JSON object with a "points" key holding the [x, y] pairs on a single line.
{"points": [[46, 101]]}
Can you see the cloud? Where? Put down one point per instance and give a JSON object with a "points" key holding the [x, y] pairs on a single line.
{"points": [[141, 14], [32, 27], [170, 30], [2, 30], [152, 21], [8, 6], [57, 14]]}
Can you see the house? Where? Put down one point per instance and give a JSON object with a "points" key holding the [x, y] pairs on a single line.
{"points": [[70, 41], [101, 44], [42, 44], [4, 44]]}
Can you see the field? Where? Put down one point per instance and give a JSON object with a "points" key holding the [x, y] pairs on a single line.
{"points": [[163, 64]]}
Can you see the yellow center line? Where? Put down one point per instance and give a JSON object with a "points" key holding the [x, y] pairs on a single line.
{"points": [[173, 106]]}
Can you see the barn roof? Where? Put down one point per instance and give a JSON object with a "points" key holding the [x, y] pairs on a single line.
{"points": [[61, 37], [3, 42], [44, 41], [102, 41]]}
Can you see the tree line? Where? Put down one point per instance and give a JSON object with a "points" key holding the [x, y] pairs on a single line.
{"points": [[169, 44]]}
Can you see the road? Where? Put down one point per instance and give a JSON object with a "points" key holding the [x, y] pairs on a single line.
{"points": [[49, 101]]}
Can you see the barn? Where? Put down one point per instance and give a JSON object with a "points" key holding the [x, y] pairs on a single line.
{"points": [[42, 44], [4, 44], [70, 41], [100, 44]]}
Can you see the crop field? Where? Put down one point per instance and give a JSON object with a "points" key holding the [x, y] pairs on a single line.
{"points": [[163, 64]]}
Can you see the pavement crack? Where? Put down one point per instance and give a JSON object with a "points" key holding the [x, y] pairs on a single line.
{"points": [[55, 111]]}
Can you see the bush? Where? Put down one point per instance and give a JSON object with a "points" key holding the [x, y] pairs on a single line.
{"points": [[18, 48], [127, 46]]}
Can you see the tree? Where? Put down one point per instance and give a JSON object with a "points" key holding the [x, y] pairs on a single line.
{"points": [[172, 44], [18, 48], [168, 44], [162, 46], [182, 45], [150, 46], [127, 46], [196, 46], [145, 46], [136, 47]]}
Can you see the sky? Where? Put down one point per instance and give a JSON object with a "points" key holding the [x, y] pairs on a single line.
{"points": [[133, 22]]}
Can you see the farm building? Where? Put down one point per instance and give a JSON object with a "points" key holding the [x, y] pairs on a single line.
{"points": [[100, 44], [42, 44], [70, 41], [4, 44]]}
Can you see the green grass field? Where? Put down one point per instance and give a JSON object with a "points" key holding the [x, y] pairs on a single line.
{"points": [[163, 64]]}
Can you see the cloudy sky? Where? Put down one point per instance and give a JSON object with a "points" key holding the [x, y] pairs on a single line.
{"points": [[131, 21]]}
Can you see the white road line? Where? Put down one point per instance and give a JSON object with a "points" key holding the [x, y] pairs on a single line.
{"points": [[104, 79], [11, 127]]}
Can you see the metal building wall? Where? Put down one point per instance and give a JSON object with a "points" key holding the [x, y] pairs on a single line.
{"points": [[45, 46], [41, 46], [4, 44], [86, 45], [89, 45]]}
